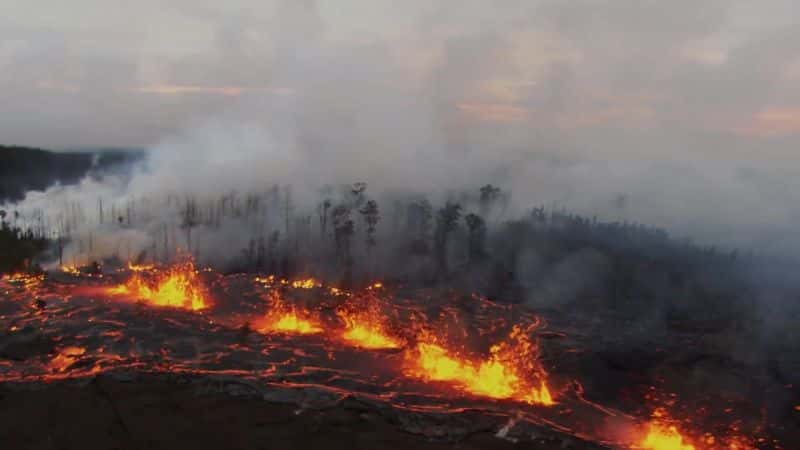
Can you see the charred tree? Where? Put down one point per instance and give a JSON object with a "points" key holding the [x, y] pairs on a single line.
{"points": [[272, 250], [493, 200], [419, 215], [371, 218], [343, 232], [322, 211], [476, 244], [446, 222], [287, 213], [357, 192], [189, 220], [19, 246]]}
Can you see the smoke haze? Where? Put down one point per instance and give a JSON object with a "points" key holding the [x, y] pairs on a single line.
{"points": [[678, 114]]}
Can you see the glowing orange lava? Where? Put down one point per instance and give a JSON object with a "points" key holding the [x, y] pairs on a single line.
{"points": [[178, 287], [28, 282], [140, 267], [284, 318], [661, 433], [365, 329], [438, 353], [266, 281], [338, 292], [66, 358], [290, 322], [71, 270], [664, 437], [271, 280], [308, 283], [510, 372]]}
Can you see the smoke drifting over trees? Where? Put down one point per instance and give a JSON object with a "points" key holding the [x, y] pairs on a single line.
{"points": [[565, 105]]}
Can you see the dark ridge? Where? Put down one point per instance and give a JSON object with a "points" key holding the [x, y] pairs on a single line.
{"points": [[24, 169]]}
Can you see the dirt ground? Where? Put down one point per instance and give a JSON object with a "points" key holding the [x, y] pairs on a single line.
{"points": [[106, 414]]}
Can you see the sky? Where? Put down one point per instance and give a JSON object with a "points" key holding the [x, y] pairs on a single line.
{"points": [[631, 78], [690, 109]]}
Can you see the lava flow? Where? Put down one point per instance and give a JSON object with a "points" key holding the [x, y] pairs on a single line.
{"points": [[285, 318], [510, 372], [66, 358], [436, 353], [28, 281], [365, 326], [664, 437], [177, 287], [674, 427]]}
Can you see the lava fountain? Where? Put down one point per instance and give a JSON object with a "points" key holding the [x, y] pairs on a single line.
{"points": [[511, 371], [287, 318], [178, 286], [662, 433], [366, 325]]}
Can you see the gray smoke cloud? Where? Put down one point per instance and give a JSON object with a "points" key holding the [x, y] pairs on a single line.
{"points": [[679, 114]]}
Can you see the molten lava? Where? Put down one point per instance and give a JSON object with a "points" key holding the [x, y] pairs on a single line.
{"points": [[66, 358], [366, 325], [26, 280], [71, 270], [437, 348], [141, 267], [290, 322], [308, 283], [510, 372], [664, 437], [177, 287], [289, 319], [661, 433], [368, 336]]}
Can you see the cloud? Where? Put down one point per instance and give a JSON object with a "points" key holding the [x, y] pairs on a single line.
{"points": [[703, 66]]}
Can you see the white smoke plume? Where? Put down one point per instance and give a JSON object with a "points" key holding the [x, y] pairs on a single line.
{"points": [[543, 99]]}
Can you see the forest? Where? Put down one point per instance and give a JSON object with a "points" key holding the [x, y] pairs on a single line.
{"points": [[546, 256], [18, 246], [24, 169], [470, 239]]}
